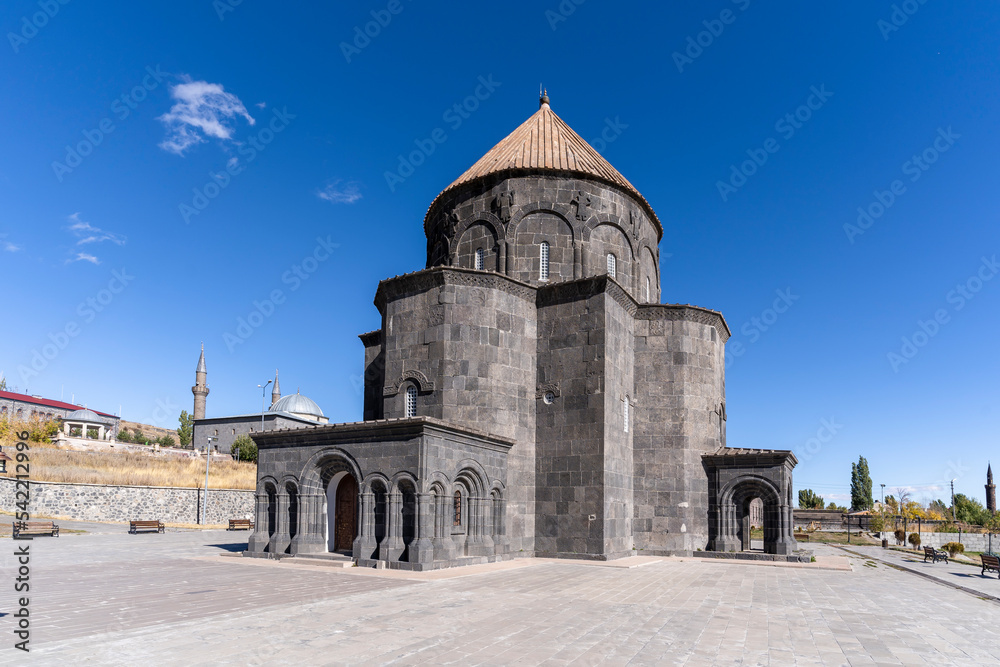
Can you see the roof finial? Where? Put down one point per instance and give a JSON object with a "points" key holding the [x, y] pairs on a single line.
{"points": [[543, 96]]}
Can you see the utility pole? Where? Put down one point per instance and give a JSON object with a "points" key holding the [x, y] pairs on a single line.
{"points": [[208, 460], [953, 501]]}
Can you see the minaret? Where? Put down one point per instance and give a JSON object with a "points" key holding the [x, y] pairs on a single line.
{"points": [[200, 388], [276, 392], [991, 490]]}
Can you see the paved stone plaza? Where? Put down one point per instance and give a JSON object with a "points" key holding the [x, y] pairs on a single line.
{"points": [[112, 598]]}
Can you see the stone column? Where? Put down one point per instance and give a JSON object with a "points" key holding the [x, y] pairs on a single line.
{"points": [[100, 432], [444, 546], [502, 257], [364, 543], [486, 526], [422, 548], [577, 260], [281, 538], [501, 543], [507, 258], [394, 529], [259, 539], [475, 540], [309, 534]]}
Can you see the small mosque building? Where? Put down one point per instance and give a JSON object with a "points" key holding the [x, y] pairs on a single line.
{"points": [[291, 411]]}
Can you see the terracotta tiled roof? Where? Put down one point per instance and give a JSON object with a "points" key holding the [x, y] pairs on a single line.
{"points": [[25, 398], [545, 142]]}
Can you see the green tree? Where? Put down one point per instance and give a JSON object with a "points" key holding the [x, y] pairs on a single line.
{"points": [[861, 485], [166, 441], [3, 384], [808, 500], [970, 510], [835, 506], [186, 428], [244, 449]]}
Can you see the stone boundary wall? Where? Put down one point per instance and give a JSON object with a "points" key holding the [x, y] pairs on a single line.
{"points": [[971, 541], [99, 502]]}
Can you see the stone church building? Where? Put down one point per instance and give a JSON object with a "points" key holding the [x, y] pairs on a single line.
{"points": [[528, 394]]}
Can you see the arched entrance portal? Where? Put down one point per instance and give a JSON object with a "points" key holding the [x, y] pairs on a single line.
{"points": [[341, 512]]}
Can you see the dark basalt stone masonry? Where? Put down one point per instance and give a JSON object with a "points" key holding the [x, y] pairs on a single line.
{"points": [[527, 393]]}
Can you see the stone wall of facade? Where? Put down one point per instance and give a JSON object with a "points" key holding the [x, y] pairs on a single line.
{"points": [[581, 219], [680, 381], [97, 502]]}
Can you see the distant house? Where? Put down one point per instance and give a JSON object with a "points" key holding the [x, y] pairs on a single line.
{"points": [[23, 407]]}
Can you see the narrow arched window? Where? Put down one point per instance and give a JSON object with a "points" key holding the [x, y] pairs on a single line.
{"points": [[647, 290], [458, 509], [612, 265], [480, 259], [625, 413], [543, 266], [411, 401]]}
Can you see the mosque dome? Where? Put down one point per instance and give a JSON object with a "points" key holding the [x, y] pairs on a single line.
{"points": [[84, 415], [297, 404]]}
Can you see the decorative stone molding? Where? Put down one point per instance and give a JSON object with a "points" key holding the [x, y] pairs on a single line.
{"points": [[543, 389], [424, 385], [685, 313]]}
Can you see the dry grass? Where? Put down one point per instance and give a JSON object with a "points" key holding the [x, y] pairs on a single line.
{"points": [[49, 464]]}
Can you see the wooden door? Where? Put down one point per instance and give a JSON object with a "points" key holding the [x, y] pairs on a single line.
{"points": [[345, 524]]}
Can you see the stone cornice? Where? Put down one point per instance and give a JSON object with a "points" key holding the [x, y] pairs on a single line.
{"points": [[371, 338], [421, 281], [687, 313], [376, 430]]}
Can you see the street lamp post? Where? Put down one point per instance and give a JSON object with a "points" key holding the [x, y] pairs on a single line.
{"points": [[263, 388], [953, 500], [881, 534], [208, 460]]}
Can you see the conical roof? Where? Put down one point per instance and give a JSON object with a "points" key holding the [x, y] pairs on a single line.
{"points": [[545, 142], [201, 361]]}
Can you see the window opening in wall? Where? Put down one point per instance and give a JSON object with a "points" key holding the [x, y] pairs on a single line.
{"points": [[612, 265], [411, 401], [549, 397], [543, 267], [647, 289], [625, 413], [480, 259], [458, 509]]}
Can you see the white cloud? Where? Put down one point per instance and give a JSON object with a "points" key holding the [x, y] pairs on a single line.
{"points": [[7, 245], [201, 110], [261, 105], [340, 194], [87, 233], [83, 257]]}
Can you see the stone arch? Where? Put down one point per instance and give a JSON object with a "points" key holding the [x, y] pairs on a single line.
{"points": [[270, 488], [524, 237], [734, 501], [483, 231], [378, 485], [609, 237], [601, 219], [648, 268], [424, 385], [291, 518]]}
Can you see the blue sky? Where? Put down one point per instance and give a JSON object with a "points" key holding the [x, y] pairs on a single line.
{"points": [[95, 238]]}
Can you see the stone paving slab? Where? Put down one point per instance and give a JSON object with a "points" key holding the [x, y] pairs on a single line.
{"points": [[128, 600], [954, 574]]}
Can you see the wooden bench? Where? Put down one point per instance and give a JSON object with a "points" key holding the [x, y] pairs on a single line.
{"points": [[934, 555], [990, 564], [35, 528], [240, 524], [135, 527]]}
